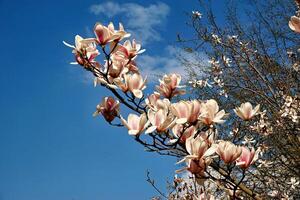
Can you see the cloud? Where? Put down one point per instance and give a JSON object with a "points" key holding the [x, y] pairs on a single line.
{"points": [[175, 60], [141, 21]]}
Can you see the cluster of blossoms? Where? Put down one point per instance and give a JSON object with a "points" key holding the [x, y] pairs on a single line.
{"points": [[200, 83], [262, 126], [217, 72], [189, 127], [290, 108]]}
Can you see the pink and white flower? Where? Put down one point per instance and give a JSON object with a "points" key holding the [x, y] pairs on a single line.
{"points": [[160, 121], [246, 111], [108, 34], [109, 108], [196, 147], [228, 151], [186, 111], [169, 86], [133, 83], [129, 50], [211, 113], [117, 67], [85, 50], [135, 124], [246, 158]]}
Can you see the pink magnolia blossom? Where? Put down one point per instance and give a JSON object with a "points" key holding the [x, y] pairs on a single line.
{"points": [[159, 120], [294, 24], [246, 158], [109, 108], [211, 113], [108, 34], [199, 150], [169, 86], [228, 151], [151, 100], [135, 124], [245, 111], [129, 50], [196, 147], [186, 111], [196, 166], [154, 102], [117, 68], [85, 50], [133, 83]]}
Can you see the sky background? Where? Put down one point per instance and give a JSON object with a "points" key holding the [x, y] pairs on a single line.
{"points": [[51, 148]]}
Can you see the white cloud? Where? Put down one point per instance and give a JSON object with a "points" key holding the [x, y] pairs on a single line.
{"points": [[141, 21], [175, 60]]}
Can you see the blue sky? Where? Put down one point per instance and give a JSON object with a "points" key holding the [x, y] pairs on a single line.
{"points": [[50, 145]]}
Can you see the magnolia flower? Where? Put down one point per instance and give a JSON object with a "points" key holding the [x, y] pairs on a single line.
{"points": [[228, 151], [135, 124], [294, 24], [196, 166], [196, 14], [151, 100], [186, 111], [196, 147], [211, 113], [85, 50], [109, 108], [199, 152], [128, 50], [169, 86], [133, 83], [159, 120], [117, 68], [245, 111], [154, 102], [246, 158], [108, 34]]}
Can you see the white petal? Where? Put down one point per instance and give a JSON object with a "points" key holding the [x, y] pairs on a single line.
{"points": [[69, 45], [150, 129]]}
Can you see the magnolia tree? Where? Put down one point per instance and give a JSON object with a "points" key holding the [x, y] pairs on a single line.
{"points": [[215, 162]]}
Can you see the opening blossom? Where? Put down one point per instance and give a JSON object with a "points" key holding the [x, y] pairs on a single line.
{"points": [[133, 83], [228, 151], [135, 124], [169, 86], [85, 50], [160, 121], [109, 108], [246, 111], [186, 111], [211, 113], [108, 34], [246, 158], [129, 50]]}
